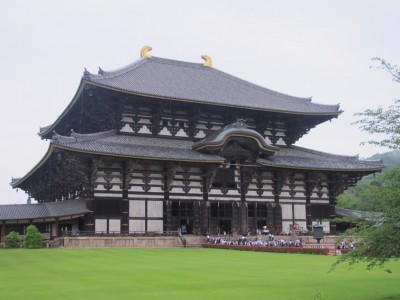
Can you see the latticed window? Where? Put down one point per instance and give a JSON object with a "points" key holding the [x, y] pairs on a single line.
{"points": [[223, 210], [250, 210], [182, 209], [262, 210], [225, 178]]}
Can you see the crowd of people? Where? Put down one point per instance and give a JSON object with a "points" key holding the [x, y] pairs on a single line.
{"points": [[345, 245], [245, 241]]}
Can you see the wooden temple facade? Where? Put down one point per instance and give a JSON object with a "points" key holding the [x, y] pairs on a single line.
{"points": [[164, 145]]}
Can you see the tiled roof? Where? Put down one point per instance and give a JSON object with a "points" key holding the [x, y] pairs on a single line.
{"points": [[344, 212], [171, 149], [302, 158], [171, 79], [43, 210], [110, 143]]}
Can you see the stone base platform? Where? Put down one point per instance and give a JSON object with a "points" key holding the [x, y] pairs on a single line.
{"points": [[121, 242]]}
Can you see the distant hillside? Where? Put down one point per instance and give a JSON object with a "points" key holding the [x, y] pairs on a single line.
{"points": [[389, 158], [359, 197]]}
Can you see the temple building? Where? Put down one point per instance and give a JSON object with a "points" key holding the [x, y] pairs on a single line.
{"points": [[165, 145]]}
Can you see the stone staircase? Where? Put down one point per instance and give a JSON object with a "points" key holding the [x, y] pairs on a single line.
{"points": [[194, 241]]}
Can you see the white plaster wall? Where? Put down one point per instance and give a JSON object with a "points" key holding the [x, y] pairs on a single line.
{"points": [[144, 130], [286, 225], [114, 225], [287, 211], [181, 133], [126, 128], [299, 211], [165, 131], [154, 209], [324, 201], [137, 225], [107, 195], [155, 225], [100, 225], [156, 189], [137, 208], [200, 134]]}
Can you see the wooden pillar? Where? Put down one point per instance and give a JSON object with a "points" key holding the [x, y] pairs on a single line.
{"points": [[196, 217], [332, 215], [169, 215], [205, 217], [243, 218], [89, 218], [57, 228], [125, 216], [3, 231]]}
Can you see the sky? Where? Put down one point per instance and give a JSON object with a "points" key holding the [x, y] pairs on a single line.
{"points": [[305, 48]]}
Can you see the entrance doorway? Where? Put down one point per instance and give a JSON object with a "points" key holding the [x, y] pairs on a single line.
{"points": [[225, 226], [261, 224], [186, 226]]}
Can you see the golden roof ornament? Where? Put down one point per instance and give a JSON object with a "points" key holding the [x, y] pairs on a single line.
{"points": [[207, 60], [145, 52]]}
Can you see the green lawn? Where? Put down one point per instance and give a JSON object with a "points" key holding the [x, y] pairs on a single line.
{"points": [[186, 274]]}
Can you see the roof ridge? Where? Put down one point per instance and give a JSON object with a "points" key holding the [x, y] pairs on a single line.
{"points": [[81, 137], [116, 72], [348, 157], [108, 74]]}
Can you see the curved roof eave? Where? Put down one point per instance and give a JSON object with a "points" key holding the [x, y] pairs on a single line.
{"points": [[48, 129], [17, 182], [63, 147], [333, 114], [313, 168]]}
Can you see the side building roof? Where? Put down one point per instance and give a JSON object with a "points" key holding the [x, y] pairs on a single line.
{"points": [[43, 210]]}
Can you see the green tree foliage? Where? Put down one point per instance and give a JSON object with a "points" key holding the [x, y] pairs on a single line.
{"points": [[33, 238], [359, 196], [379, 233], [384, 121], [12, 240]]}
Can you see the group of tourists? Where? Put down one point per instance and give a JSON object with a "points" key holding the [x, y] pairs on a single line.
{"points": [[345, 245], [245, 241]]}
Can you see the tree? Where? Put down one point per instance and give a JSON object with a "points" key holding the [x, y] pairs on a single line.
{"points": [[379, 233], [12, 239], [33, 238], [381, 120]]}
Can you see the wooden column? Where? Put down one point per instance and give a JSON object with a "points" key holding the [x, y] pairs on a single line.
{"points": [[169, 215], [196, 217], [243, 218], [57, 228], [205, 217], [3, 231]]}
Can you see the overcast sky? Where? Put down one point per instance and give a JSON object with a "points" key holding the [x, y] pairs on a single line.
{"points": [[303, 48]]}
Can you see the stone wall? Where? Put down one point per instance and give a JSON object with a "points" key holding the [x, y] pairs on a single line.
{"points": [[122, 242]]}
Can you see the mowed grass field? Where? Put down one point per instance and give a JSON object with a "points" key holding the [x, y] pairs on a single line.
{"points": [[186, 274]]}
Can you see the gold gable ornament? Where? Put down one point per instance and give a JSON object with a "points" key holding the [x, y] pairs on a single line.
{"points": [[145, 52], [207, 60]]}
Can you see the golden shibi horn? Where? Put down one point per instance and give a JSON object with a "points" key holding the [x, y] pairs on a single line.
{"points": [[145, 52], [207, 60]]}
